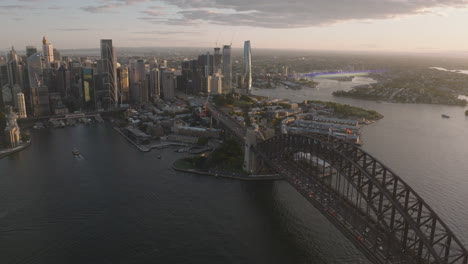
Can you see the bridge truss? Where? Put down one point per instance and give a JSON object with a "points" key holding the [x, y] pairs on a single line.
{"points": [[380, 213]]}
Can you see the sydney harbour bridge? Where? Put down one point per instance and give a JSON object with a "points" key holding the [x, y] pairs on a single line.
{"points": [[371, 205]]}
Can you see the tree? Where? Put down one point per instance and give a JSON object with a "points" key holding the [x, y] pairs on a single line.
{"points": [[25, 137], [202, 141]]}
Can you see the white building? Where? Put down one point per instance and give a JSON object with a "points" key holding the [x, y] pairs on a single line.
{"points": [[47, 52], [217, 83], [21, 106]]}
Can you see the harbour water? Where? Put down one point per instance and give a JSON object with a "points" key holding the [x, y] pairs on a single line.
{"points": [[115, 204]]}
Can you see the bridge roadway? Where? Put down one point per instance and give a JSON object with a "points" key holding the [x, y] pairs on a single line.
{"points": [[352, 223], [365, 200], [234, 126]]}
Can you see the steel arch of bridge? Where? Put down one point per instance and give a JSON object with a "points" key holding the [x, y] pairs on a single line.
{"points": [[368, 202]]}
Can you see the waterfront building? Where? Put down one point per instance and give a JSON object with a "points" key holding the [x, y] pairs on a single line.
{"points": [[47, 52], [109, 94], [247, 66], [227, 69], [30, 50], [12, 131], [21, 106]]}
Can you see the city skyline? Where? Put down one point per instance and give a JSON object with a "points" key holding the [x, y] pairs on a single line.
{"points": [[387, 26]]}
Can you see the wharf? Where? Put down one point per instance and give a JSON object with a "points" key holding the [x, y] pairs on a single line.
{"points": [[234, 176], [6, 152]]}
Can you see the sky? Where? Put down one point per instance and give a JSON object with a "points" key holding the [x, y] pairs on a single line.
{"points": [[362, 25]]}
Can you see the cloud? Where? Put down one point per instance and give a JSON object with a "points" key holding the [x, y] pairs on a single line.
{"points": [[55, 7], [108, 6], [300, 13], [153, 13], [71, 29], [12, 7], [172, 32]]}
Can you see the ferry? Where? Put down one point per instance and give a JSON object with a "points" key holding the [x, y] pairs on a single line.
{"points": [[445, 116], [75, 152]]}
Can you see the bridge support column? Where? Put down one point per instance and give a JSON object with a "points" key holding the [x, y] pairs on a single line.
{"points": [[250, 162]]}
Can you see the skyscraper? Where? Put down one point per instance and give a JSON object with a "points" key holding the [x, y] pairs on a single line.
{"points": [[139, 82], [30, 50], [57, 55], [247, 66], [88, 88], [155, 84], [21, 106], [48, 52], [13, 68], [109, 95], [217, 83], [168, 85], [124, 85], [227, 68], [39, 92], [217, 58]]}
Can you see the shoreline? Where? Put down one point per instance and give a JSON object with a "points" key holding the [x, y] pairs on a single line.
{"points": [[393, 102], [245, 178], [10, 151], [148, 148]]}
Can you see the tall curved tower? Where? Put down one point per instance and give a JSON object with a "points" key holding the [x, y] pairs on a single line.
{"points": [[247, 66], [109, 94]]}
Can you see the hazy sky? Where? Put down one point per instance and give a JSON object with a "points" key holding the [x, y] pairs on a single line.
{"points": [[400, 25]]}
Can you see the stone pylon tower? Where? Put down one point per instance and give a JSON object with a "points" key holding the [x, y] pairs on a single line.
{"points": [[250, 162]]}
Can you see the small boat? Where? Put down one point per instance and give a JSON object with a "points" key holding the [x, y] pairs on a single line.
{"points": [[75, 152], [445, 116], [159, 157]]}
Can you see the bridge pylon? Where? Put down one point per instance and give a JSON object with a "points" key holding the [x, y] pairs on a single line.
{"points": [[250, 160]]}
